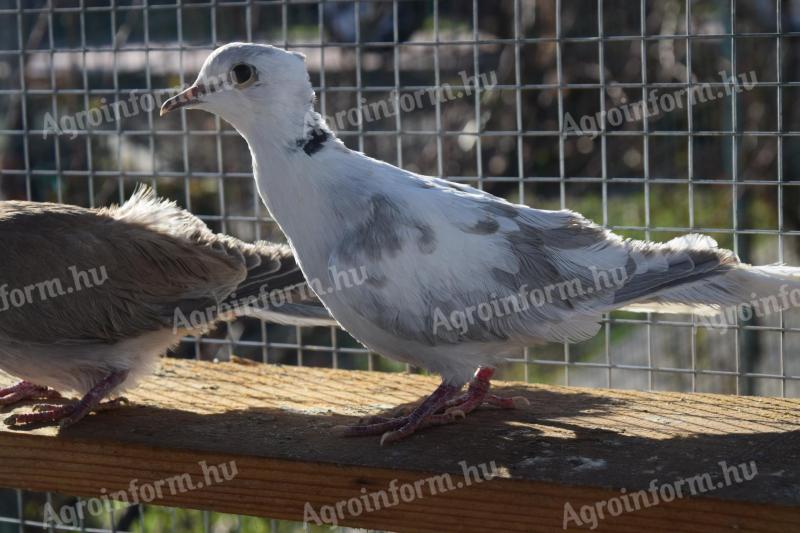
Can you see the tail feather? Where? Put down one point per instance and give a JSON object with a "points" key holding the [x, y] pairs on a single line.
{"points": [[701, 278], [272, 267], [291, 314], [276, 289]]}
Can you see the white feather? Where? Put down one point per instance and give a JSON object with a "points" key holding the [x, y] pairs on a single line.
{"points": [[342, 193]]}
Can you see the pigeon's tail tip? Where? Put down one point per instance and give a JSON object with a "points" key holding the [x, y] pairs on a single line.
{"points": [[770, 280], [778, 272], [740, 285]]}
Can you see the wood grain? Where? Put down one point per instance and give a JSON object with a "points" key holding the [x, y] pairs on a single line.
{"points": [[580, 446]]}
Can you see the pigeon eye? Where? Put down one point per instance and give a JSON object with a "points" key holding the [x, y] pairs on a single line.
{"points": [[243, 75]]}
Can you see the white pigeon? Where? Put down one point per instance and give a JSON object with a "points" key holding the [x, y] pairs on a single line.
{"points": [[438, 253], [90, 298]]}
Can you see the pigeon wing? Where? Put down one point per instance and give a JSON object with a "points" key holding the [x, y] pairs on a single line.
{"points": [[486, 270], [87, 276]]}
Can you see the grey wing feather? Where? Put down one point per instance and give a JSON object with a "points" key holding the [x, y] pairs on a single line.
{"points": [[511, 247]]}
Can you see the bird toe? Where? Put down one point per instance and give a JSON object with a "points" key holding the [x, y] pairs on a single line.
{"points": [[455, 413], [520, 402]]}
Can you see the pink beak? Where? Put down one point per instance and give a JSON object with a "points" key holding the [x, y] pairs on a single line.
{"points": [[189, 96]]}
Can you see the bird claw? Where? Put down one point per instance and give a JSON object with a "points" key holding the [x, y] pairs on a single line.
{"points": [[387, 437], [520, 402], [393, 436], [455, 413]]}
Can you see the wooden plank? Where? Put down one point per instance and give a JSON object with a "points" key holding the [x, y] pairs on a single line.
{"points": [[576, 446]]}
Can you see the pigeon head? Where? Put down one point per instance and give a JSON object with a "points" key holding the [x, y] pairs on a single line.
{"points": [[249, 84]]}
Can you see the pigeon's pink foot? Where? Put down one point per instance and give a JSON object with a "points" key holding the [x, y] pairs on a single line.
{"points": [[43, 414], [478, 393], [64, 414], [25, 390], [70, 413], [394, 429], [438, 409]]}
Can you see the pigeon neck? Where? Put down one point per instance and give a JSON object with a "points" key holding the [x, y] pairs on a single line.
{"points": [[315, 134], [291, 163]]}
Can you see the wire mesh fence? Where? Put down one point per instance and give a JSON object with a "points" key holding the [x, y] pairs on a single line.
{"points": [[521, 98]]}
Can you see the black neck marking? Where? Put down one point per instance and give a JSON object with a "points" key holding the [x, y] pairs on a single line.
{"points": [[314, 142]]}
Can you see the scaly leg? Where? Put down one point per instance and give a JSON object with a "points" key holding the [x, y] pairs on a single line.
{"points": [[478, 393], [70, 413], [25, 390], [398, 428], [438, 409]]}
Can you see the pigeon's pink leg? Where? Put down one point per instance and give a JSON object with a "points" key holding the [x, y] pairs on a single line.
{"points": [[397, 428], [25, 390], [68, 414], [478, 393], [439, 408]]}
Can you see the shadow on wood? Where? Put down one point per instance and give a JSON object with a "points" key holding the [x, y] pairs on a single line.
{"points": [[580, 446]]}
